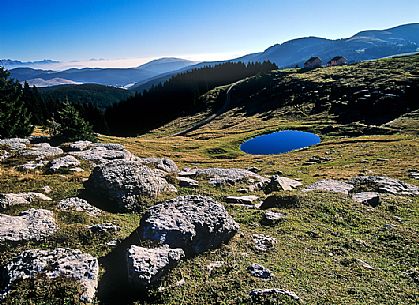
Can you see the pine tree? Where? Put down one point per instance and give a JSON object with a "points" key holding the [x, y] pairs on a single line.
{"points": [[15, 120], [69, 125]]}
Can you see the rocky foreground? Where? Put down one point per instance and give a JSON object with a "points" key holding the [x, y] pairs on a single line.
{"points": [[177, 229]]}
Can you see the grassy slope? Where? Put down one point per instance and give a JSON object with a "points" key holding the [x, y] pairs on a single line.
{"points": [[317, 244]]}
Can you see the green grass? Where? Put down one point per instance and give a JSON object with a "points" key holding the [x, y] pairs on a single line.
{"points": [[318, 245]]}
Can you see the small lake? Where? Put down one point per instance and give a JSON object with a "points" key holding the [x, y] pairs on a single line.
{"points": [[279, 142]]}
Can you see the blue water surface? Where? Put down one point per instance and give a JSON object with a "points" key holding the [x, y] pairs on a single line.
{"points": [[279, 142]]}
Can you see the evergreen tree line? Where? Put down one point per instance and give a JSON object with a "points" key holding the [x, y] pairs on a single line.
{"points": [[23, 107], [176, 97]]}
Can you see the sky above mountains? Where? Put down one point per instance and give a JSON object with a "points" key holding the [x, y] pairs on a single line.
{"points": [[130, 32]]}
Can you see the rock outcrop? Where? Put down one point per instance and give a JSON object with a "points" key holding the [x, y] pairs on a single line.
{"points": [[228, 176], [29, 225], [60, 262], [79, 205], [42, 151], [15, 143], [258, 293], [192, 223], [122, 182], [384, 185], [164, 164], [278, 183], [368, 198], [263, 243], [148, 266], [12, 199], [330, 186], [67, 162], [100, 153]]}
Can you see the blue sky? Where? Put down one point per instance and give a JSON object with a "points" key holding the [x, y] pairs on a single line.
{"points": [[197, 29]]}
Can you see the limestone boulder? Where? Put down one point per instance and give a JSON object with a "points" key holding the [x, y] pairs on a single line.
{"points": [[192, 223], [122, 182], [59, 262], [29, 225]]}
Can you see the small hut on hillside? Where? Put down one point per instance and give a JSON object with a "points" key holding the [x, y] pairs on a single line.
{"points": [[314, 62], [337, 61]]}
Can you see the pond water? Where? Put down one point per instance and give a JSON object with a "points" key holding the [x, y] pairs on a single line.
{"points": [[279, 142]]}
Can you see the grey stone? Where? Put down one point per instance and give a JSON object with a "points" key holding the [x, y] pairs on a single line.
{"points": [[281, 201], [79, 205], [364, 264], [12, 199], [122, 182], [260, 271], [263, 243], [47, 189], [214, 265], [192, 223], [4, 155], [15, 143], [368, 198], [278, 183], [29, 225], [102, 153], [78, 146], [384, 185], [330, 186], [148, 266], [272, 218], [103, 228], [42, 151], [187, 182], [64, 163], [59, 262], [31, 166], [243, 200], [229, 176], [164, 164], [257, 293]]}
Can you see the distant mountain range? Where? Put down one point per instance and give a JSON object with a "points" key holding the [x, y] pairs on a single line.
{"points": [[11, 64], [366, 45], [118, 77]]}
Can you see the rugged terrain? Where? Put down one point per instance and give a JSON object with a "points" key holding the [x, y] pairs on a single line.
{"points": [[329, 245]]}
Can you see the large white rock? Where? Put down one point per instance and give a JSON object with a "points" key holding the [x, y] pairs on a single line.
{"points": [[29, 225], [59, 262], [192, 223], [148, 266]]}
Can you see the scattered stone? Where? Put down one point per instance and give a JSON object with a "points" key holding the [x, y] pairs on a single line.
{"points": [[99, 154], [281, 201], [316, 160], [242, 200], [330, 186], [29, 225], [121, 182], [192, 223], [384, 185], [31, 166], [263, 242], [214, 265], [278, 183], [257, 293], [243, 191], [15, 143], [64, 163], [254, 169], [260, 271], [164, 164], [79, 205], [364, 264], [12, 199], [187, 172], [148, 266], [4, 155], [42, 151], [368, 198], [228, 176], [413, 173], [59, 262], [104, 228], [187, 182], [77, 146], [272, 218], [398, 219], [47, 189]]}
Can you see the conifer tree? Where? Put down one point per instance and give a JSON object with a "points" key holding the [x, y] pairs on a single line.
{"points": [[15, 120], [69, 125]]}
